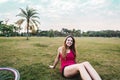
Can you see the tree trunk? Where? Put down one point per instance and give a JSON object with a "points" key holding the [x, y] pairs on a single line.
{"points": [[27, 29]]}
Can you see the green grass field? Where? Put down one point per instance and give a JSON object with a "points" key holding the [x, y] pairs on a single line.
{"points": [[32, 57]]}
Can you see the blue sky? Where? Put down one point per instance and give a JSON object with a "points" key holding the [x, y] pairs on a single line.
{"points": [[57, 14]]}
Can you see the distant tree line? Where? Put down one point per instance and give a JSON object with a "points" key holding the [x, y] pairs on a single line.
{"points": [[102, 33], [11, 30], [62, 33], [78, 33], [8, 30]]}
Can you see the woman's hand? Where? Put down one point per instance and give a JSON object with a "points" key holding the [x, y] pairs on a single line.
{"points": [[51, 67]]}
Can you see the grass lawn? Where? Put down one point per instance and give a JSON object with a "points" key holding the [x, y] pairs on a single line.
{"points": [[32, 57]]}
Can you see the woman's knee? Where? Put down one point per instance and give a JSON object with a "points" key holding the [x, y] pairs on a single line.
{"points": [[78, 66], [85, 63]]}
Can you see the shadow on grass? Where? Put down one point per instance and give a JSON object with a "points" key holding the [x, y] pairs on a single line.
{"points": [[40, 45], [40, 72]]}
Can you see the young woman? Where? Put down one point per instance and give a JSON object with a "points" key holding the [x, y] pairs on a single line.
{"points": [[69, 67]]}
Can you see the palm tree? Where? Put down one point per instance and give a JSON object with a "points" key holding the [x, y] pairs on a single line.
{"points": [[30, 16]]}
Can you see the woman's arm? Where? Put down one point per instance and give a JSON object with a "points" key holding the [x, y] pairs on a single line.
{"points": [[56, 60]]}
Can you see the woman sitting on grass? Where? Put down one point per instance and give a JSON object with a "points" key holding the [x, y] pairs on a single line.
{"points": [[69, 68]]}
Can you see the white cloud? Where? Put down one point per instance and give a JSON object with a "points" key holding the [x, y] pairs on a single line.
{"points": [[97, 2], [21, 1], [11, 16], [68, 13], [44, 1], [3, 1]]}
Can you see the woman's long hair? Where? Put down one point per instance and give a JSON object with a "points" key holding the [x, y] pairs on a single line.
{"points": [[72, 47]]}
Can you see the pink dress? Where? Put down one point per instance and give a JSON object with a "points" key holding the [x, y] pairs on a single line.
{"points": [[69, 60]]}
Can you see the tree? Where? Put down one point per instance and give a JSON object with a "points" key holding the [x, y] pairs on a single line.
{"points": [[30, 16], [51, 33], [1, 22], [19, 23], [65, 31]]}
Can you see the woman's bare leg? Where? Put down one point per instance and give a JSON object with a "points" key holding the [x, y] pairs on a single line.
{"points": [[84, 74], [91, 71], [77, 68]]}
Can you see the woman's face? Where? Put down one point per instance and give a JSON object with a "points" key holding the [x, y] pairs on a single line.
{"points": [[69, 41]]}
